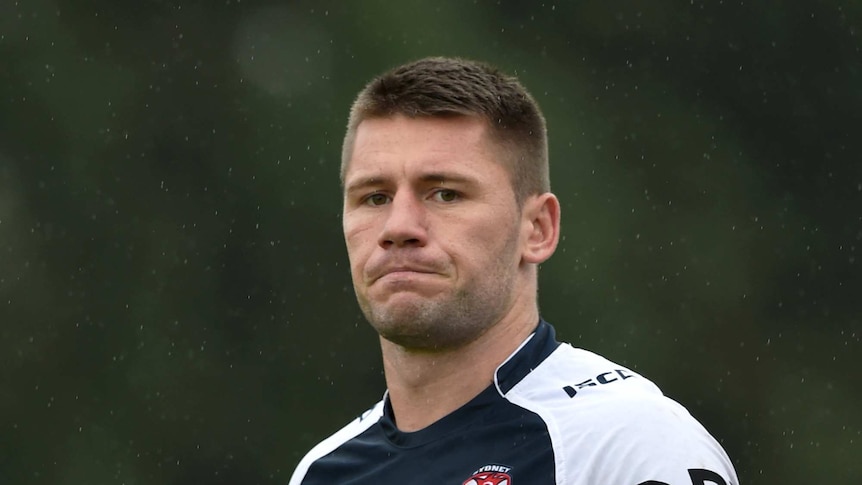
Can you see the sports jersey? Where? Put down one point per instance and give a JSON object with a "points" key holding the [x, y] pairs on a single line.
{"points": [[554, 414]]}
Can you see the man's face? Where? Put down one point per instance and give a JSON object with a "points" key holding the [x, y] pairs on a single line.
{"points": [[433, 230]]}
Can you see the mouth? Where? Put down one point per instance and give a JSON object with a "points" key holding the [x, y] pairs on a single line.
{"points": [[402, 273]]}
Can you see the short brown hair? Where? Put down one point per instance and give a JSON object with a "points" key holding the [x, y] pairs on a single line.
{"points": [[441, 87]]}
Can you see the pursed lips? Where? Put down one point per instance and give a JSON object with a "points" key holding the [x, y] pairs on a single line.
{"points": [[401, 269]]}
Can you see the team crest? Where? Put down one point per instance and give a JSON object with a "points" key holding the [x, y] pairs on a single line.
{"points": [[490, 475]]}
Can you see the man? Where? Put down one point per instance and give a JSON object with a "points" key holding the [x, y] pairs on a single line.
{"points": [[447, 214]]}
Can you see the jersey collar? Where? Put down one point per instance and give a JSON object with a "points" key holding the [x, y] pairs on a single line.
{"points": [[535, 349]]}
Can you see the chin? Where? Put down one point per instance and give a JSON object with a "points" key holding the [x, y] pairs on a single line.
{"points": [[422, 331]]}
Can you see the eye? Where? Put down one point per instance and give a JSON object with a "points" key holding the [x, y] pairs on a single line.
{"points": [[376, 199], [445, 195]]}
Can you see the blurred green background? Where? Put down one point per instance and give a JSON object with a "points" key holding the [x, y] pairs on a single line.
{"points": [[175, 304]]}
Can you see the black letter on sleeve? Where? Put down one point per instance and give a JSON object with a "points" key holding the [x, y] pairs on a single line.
{"points": [[700, 476]]}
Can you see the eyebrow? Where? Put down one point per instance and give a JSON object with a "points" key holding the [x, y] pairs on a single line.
{"points": [[436, 177], [363, 182], [441, 177]]}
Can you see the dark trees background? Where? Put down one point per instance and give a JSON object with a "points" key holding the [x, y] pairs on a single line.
{"points": [[175, 304]]}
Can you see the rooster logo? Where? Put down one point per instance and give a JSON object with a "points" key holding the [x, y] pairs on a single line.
{"points": [[489, 478]]}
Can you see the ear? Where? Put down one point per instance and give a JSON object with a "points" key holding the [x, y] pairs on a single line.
{"points": [[541, 223]]}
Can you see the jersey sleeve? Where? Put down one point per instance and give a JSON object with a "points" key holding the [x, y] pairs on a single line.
{"points": [[648, 440], [610, 425]]}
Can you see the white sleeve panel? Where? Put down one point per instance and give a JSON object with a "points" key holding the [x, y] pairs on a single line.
{"points": [[613, 426], [637, 439], [327, 446]]}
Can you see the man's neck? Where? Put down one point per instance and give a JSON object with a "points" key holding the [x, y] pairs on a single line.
{"points": [[426, 386]]}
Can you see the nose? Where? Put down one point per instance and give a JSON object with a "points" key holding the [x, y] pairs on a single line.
{"points": [[405, 223]]}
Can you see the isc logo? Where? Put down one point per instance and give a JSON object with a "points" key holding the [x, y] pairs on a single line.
{"points": [[599, 380]]}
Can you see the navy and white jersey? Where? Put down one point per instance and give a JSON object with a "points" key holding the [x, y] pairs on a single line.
{"points": [[554, 415]]}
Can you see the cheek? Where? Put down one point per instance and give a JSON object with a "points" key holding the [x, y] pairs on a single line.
{"points": [[484, 246], [357, 262], [359, 243], [492, 243]]}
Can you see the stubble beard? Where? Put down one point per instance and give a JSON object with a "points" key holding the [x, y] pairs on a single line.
{"points": [[451, 320]]}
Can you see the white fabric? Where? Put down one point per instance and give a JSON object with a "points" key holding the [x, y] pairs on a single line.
{"points": [[621, 432]]}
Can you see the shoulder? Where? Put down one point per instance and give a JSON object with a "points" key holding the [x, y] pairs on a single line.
{"points": [[609, 424], [579, 375], [645, 438], [340, 437]]}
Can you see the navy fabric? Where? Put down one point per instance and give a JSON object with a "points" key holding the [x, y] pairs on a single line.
{"points": [[489, 432]]}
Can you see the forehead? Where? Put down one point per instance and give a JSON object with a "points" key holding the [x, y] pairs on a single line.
{"points": [[399, 142]]}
